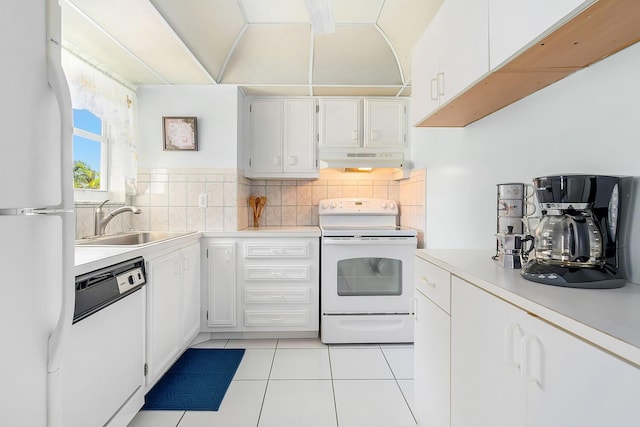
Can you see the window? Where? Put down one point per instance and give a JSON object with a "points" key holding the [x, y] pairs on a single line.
{"points": [[90, 167]]}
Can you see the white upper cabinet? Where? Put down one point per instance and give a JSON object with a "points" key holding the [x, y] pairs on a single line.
{"points": [[450, 56], [283, 134], [300, 136], [362, 123], [464, 50], [425, 68], [340, 123], [266, 136], [458, 60], [513, 24], [384, 123]]}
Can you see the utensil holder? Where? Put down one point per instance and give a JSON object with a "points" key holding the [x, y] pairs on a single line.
{"points": [[257, 206]]}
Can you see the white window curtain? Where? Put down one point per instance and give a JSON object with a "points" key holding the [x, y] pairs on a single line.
{"points": [[115, 103]]}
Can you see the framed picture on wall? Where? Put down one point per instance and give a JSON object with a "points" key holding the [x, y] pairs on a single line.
{"points": [[180, 133]]}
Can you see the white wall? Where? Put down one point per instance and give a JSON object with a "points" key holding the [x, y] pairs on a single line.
{"points": [[586, 123], [216, 108]]}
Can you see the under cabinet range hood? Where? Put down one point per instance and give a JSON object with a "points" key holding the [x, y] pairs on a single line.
{"points": [[361, 159]]}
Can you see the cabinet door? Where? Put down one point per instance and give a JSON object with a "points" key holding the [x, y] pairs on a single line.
{"points": [[432, 364], [300, 135], [339, 123], [464, 49], [222, 285], [384, 123], [425, 68], [572, 383], [164, 330], [266, 135], [190, 293], [513, 24], [486, 388]]}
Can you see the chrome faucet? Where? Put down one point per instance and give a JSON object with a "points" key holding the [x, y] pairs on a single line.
{"points": [[101, 219]]}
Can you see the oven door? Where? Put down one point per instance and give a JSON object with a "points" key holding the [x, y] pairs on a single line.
{"points": [[367, 275]]}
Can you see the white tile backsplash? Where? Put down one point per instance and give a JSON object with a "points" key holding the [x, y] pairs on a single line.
{"points": [[169, 199]]}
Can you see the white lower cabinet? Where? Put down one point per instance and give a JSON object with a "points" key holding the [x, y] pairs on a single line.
{"points": [[509, 368], [221, 285], [263, 284], [173, 301], [190, 293], [432, 346], [486, 388]]}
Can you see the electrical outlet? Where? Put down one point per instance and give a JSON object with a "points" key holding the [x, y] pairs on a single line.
{"points": [[202, 200]]}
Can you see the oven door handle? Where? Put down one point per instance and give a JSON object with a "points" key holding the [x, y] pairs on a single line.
{"points": [[359, 241]]}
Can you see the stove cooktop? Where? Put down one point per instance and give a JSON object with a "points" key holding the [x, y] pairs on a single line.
{"points": [[362, 217], [366, 231]]}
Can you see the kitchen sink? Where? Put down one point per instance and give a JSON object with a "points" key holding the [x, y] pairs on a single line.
{"points": [[133, 238]]}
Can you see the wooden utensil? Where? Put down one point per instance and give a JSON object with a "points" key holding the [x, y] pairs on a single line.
{"points": [[257, 205]]}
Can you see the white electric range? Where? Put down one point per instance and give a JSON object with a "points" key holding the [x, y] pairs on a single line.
{"points": [[367, 264]]}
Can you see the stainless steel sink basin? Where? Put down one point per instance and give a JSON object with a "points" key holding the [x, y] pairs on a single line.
{"points": [[134, 238]]}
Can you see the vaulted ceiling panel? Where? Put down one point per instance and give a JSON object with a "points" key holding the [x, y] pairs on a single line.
{"points": [[140, 28], [265, 46], [356, 54], [80, 36], [403, 29], [275, 11], [277, 54], [356, 11], [208, 28]]}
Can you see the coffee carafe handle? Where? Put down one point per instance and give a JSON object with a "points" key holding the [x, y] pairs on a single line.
{"points": [[524, 252], [578, 239]]}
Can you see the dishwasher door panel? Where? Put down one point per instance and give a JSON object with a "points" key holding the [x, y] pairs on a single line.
{"points": [[104, 363]]}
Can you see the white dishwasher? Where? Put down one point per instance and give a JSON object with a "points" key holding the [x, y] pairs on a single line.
{"points": [[103, 365]]}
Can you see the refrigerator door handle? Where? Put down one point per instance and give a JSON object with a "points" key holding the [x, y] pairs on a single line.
{"points": [[58, 83], [59, 86]]}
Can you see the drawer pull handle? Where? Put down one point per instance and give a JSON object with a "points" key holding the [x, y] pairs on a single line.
{"points": [[278, 274], [509, 344], [526, 347], [426, 281], [277, 319]]}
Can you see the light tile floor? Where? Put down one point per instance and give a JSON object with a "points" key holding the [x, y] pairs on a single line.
{"points": [[302, 382]]}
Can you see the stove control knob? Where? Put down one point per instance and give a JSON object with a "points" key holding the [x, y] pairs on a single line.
{"points": [[384, 205], [392, 205], [332, 206], [324, 206]]}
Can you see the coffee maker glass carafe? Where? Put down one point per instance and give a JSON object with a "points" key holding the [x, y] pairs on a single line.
{"points": [[569, 239], [578, 240]]}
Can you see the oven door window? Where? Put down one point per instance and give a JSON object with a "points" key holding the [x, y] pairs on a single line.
{"points": [[369, 277]]}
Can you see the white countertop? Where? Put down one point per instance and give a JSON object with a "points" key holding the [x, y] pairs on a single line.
{"points": [[90, 258], [271, 231], [609, 318]]}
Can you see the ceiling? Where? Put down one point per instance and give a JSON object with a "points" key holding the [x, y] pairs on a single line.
{"points": [[265, 46]]}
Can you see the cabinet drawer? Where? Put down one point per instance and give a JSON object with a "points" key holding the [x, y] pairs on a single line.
{"points": [[276, 250], [276, 296], [434, 282], [280, 273], [276, 317]]}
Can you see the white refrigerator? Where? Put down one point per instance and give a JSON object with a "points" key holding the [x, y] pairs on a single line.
{"points": [[36, 214]]}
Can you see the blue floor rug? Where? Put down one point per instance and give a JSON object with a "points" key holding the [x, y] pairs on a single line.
{"points": [[196, 382]]}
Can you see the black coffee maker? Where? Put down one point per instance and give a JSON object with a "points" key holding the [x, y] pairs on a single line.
{"points": [[578, 241]]}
